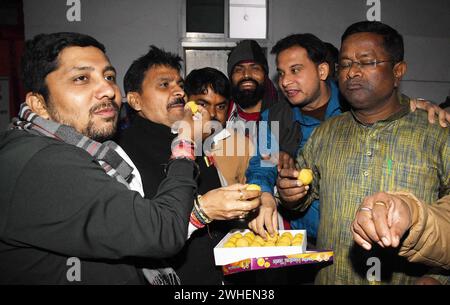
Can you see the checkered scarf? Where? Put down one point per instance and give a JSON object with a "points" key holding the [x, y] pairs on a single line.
{"points": [[106, 156], [104, 153]]}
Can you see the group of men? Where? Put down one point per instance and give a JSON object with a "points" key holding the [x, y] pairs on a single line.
{"points": [[151, 209]]}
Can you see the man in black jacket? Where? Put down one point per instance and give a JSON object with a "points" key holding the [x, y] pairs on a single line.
{"points": [[154, 89], [66, 212]]}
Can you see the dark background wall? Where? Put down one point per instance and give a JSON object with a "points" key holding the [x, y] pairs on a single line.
{"points": [[127, 28]]}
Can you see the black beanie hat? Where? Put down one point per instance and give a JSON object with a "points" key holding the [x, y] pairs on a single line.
{"points": [[247, 50]]}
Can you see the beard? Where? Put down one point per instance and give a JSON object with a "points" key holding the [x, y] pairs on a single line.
{"points": [[92, 131], [247, 98], [100, 134], [104, 133]]}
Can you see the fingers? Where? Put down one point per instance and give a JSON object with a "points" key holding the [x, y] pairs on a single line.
{"points": [[365, 243], [259, 225], [275, 220], [244, 194], [287, 183], [285, 161], [400, 220], [294, 191], [234, 187], [292, 198], [383, 220], [433, 110], [291, 173], [291, 190], [444, 118], [268, 222], [413, 105], [253, 225], [249, 205], [395, 233], [431, 114], [238, 192], [380, 220], [364, 227], [236, 209]]}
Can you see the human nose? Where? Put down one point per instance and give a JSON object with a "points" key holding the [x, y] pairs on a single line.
{"points": [[285, 80], [107, 89], [353, 72], [212, 112], [247, 72], [178, 91]]}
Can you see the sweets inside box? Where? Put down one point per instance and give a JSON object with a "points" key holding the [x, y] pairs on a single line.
{"points": [[242, 250]]}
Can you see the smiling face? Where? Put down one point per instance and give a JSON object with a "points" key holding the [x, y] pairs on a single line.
{"points": [[162, 98], [371, 87], [299, 77], [247, 83], [214, 103], [83, 93]]}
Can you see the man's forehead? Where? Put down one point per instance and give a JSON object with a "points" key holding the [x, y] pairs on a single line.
{"points": [[209, 94], [82, 57], [363, 38], [292, 56], [164, 72], [364, 43]]}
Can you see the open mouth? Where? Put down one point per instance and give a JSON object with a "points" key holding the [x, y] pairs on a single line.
{"points": [[291, 92], [248, 84]]}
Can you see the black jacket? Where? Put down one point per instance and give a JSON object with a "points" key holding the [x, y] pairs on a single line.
{"points": [[148, 145], [56, 202]]}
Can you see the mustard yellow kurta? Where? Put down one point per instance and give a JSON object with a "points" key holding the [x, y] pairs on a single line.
{"points": [[351, 161]]}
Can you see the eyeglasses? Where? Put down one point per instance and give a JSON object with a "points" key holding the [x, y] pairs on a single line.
{"points": [[362, 65]]}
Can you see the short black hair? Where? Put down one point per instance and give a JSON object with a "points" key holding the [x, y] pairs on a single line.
{"points": [[40, 57], [392, 40], [315, 48], [198, 81], [332, 58], [132, 81]]}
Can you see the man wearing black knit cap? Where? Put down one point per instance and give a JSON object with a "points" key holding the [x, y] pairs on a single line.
{"points": [[252, 90]]}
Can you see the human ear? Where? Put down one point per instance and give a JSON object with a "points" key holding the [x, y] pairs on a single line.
{"points": [[134, 101], [324, 70], [399, 70], [37, 104]]}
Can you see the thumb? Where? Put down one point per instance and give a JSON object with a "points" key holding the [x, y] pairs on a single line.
{"points": [[397, 232], [413, 105]]}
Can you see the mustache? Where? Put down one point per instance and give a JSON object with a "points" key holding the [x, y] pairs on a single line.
{"points": [[178, 101], [104, 105]]}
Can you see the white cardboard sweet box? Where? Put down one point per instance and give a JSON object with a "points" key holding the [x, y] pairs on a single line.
{"points": [[224, 256]]}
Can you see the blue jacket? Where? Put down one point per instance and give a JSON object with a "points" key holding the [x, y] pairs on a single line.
{"points": [[264, 173]]}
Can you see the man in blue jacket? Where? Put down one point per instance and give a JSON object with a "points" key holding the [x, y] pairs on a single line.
{"points": [[303, 73]]}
